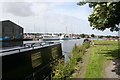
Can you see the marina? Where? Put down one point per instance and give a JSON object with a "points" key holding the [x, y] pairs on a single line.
{"points": [[50, 37], [33, 53], [33, 47], [30, 56], [34, 56], [59, 39]]}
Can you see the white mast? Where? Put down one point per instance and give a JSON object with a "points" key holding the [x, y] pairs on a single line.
{"points": [[66, 30], [45, 24]]}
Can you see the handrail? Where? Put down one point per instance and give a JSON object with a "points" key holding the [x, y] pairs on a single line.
{"points": [[31, 45]]}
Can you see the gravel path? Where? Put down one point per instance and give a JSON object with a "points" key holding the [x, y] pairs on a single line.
{"points": [[110, 70], [84, 64]]}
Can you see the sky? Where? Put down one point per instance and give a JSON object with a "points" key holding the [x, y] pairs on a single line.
{"points": [[52, 16]]}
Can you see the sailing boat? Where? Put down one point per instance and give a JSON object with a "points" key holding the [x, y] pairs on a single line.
{"points": [[49, 37], [64, 37]]}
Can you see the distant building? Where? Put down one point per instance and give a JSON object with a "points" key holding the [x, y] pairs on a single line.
{"points": [[10, 31]]}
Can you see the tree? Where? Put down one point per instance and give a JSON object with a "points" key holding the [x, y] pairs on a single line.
{"points": [[105, 15], [92, 35], [100, 36], [108, 36], [82, 35]]}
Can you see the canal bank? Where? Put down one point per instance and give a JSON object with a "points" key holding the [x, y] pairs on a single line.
{"points": [[65, 70], [27, 64], [68, 45]]}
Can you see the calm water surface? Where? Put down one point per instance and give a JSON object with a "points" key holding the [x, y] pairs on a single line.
{"points": [[67, 46]]}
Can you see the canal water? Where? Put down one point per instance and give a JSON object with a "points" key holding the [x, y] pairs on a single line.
{"points": [[67, 46]]}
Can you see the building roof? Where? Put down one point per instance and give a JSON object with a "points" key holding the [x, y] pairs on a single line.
{"points": [[11, 22]]}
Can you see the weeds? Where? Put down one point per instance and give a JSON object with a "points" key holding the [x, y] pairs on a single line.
{"points": [[64, 71]]}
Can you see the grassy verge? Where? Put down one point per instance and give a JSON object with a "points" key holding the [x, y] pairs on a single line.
{"points": [[64, 71], [100, 54]]}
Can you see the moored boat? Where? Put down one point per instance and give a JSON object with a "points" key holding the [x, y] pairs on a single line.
{"points": [[65, 37], [50, 37]]}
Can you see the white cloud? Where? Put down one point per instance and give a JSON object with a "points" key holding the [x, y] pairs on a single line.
{"points": [[18, 8], [25, 9], [54, 23], [40, 8], [0, 10], [40, 0]]}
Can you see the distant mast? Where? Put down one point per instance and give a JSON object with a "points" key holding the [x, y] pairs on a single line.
{"points": [[34, 29], [45, 25], [66, 30], [71, 30]]}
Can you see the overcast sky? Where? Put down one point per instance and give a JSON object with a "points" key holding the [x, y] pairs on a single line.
{"points": [[50, 16]]}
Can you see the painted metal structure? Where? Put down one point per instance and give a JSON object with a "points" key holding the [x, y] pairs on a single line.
{"points": [[30, 61]]}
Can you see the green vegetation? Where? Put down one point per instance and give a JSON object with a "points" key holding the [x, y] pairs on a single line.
{"points": [[82, 35], [105, 15], [92, 35], [100, 56], [65, 70]]}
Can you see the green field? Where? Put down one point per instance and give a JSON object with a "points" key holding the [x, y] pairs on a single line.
{"points": [[100, 55]]}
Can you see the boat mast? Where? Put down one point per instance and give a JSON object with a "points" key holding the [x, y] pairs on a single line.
{"points": [[45, 25], [66, 30], [34, 28]]}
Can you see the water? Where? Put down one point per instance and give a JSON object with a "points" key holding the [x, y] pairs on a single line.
{"points": [[68, 45]]}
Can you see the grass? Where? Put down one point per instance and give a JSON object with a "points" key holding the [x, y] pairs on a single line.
{"points": [[65, 71], [100, 54]]}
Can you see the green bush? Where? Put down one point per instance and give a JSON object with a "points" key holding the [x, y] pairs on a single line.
{"points": [[62, 70], [86, 45]]}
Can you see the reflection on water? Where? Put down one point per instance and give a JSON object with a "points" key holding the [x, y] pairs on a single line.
{"points": [[68, 45]]}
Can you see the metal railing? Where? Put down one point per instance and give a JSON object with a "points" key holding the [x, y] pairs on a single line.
{"points": [[31, 45]]}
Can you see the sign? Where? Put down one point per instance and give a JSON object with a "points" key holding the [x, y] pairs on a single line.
{"points": [[36, 59]]}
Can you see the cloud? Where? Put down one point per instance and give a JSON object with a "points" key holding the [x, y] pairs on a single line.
{"points": [[26, 9], [18, 8], [1, 10], [29, 8], [43, 8], [58, 1], [40, 8]]}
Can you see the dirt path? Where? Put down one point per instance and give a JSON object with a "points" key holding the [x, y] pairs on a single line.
{"points": [[110, 70], [84, 64]]}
